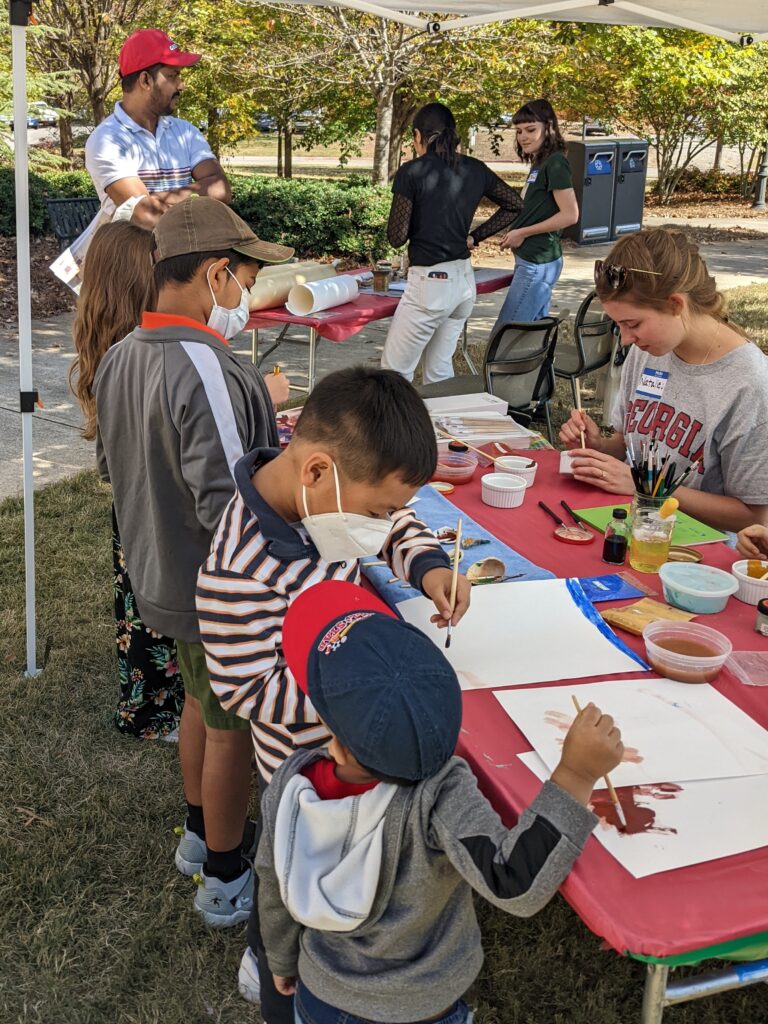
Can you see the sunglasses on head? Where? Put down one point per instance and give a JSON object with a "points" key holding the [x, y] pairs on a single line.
{"points": [[616, 276]]}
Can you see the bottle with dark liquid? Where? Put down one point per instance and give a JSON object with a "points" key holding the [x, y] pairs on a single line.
{"points": [[616, 538]]}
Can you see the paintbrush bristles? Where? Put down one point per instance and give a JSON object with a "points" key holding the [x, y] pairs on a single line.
{"points": [[454, 580]]}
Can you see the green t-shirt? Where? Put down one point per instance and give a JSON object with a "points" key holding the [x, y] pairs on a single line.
{"points": [[539, 204]]}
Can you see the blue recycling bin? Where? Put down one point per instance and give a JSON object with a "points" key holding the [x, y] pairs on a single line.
{"points": [[593, 165], [629, 194]]}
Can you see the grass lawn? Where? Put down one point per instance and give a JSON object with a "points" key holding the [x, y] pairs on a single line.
{"points": [[95, 923]]}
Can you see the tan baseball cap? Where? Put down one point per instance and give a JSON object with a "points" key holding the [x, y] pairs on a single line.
{"points": [[202, 224]]}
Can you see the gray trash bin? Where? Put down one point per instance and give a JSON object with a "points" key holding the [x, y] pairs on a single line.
{"points": [[629, 197], [593, 165]]}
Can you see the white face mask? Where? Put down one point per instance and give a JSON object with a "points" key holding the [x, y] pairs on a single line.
{"points": [[229, 322], [344, 536]]}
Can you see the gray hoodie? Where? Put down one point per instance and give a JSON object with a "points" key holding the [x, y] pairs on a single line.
{"points": [[382, 884], [176, 409]]}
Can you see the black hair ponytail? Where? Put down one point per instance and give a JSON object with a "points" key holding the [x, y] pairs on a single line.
{"points": [[437, 127]]}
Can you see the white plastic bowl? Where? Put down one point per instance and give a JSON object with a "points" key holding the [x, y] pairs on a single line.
{"points": [[750, 590], [518, 466], [503, 490]]}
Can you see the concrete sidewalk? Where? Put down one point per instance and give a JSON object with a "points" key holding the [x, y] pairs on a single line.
{"points": [[59, 450]]}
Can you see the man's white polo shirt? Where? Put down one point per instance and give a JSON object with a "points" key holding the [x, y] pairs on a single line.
{"points": [[120, 148]]}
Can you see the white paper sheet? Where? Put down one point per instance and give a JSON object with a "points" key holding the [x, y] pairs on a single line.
{"points": [[674, 825], [672, 732], [516, 633], [315, 296]]}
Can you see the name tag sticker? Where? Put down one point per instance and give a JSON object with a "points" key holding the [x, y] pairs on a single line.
{"points": [[652, 383], [533, 176]]}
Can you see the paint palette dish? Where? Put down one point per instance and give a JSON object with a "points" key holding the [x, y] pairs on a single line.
{"points": [[455, 467], [503, 490], [701, 589], [686, 651], [524, 468], [751, 590]]}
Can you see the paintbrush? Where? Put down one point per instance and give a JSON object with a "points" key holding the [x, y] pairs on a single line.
{"points": [[577, 391], [454, 581], [457, 440], [607, 780]]}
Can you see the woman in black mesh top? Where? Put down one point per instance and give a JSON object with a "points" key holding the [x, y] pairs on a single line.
{"points": [[435, 199]]}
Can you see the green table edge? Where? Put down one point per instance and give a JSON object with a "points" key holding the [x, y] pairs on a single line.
{"points": [[754, 947]]}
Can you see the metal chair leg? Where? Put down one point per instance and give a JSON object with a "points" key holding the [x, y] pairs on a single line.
{"points": [[654, 994], [549, 421], [465, 351]]}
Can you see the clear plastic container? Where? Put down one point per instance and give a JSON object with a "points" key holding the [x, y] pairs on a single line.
{"points": [[455, 467], [686, 651], [701, 589]]}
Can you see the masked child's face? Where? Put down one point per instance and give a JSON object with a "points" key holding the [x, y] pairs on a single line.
{"points": [[376, 500]]}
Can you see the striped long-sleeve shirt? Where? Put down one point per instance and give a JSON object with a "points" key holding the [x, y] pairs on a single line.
{"points": [[258, 564]]}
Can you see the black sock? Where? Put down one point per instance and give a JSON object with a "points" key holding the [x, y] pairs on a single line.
{"points": [[225, 866], [195, 821]]}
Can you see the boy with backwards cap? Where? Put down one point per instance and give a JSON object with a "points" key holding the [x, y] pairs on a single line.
{"points": [[176, 409], [370, 852]]}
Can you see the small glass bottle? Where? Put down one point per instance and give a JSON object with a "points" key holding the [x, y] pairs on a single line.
{"points": [[761, 625], [616, 538]]}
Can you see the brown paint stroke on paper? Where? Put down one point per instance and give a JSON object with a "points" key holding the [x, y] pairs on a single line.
{"points": [[563, 722], [639, 818]]}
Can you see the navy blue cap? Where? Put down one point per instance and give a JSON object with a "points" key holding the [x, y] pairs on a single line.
{"points": [[380, 685]]}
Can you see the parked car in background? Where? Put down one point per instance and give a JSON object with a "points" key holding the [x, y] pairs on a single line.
{"points": [[265, 123], [592, 126], [305, 120], [503, 121], [44, 113]]}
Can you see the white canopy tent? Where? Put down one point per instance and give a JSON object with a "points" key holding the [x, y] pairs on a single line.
{"points": [[740, 20]]}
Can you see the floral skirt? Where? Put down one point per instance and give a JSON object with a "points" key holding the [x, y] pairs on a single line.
{"points": [[151, 687]]}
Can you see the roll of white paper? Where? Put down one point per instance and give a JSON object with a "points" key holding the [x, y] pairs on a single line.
{"points": [[305, 299], [273, 284]]}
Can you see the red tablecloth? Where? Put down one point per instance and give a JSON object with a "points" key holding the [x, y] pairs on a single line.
{"points": [[663, 915], [342, 322]]}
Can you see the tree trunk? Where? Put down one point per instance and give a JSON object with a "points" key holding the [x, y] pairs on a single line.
{"points": [[213, 135], [288, 153], [66, 145], [98, 107], [403, 109], [718, 155], [279, 151], [383, 137]]}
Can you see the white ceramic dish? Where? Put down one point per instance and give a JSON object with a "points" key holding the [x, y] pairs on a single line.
{"points": [[503, 490], [750, 589], [518, 466]]}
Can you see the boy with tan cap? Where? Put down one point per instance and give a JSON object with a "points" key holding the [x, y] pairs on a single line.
{"points": [[176, 409]]}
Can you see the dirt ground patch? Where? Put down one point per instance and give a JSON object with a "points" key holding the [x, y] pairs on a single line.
{"points": [[49, 296]]}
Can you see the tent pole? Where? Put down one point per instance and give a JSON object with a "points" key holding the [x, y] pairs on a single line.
{"points": [[19, 14]]}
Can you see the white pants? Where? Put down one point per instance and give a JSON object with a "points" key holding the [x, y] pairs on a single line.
{"points": [[429, 319]]}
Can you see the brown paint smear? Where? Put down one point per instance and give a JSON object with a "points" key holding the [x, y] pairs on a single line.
{"points": [[563, 722], [639, 818]]}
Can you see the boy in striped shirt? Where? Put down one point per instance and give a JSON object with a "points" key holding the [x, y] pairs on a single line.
{"points": [[363, 445]]}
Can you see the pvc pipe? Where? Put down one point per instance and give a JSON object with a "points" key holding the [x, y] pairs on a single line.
{"points": [[306, 299], [21, 163]]}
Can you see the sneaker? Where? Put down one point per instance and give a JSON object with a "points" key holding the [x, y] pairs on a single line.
{"points": [[191, 852], [223, 904], [248, 984]]}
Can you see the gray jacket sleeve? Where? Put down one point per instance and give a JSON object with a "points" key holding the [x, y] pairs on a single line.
{"points": [[520, 869], [279, 932], [101, 458]]}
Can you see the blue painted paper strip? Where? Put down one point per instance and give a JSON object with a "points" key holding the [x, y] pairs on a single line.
{"points": [[589, 611]]}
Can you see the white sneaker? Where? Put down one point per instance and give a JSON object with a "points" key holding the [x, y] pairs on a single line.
{"points": [[223, 904], [190, 853], [248, 984]]}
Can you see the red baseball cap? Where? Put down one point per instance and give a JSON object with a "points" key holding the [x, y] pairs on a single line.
{"points": [[150, 46], [334, 604]]}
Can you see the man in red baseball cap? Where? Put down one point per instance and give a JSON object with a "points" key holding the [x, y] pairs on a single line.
{"points": [[142, 159]]}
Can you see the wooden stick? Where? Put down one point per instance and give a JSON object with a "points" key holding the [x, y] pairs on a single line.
{"points": [[457, 440], [607, 780], [577, 388], [454, 580]]}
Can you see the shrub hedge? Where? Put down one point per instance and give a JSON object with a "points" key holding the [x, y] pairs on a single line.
{"points": [[345, 218]]}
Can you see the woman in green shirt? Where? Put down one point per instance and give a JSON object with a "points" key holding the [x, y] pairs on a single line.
{"points": [[549, 205]]}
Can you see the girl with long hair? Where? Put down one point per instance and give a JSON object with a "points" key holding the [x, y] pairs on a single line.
{"points": [[549, 205], [435, 199], [118, 286], [692, 383]]}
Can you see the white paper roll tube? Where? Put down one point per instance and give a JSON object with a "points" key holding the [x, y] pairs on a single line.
{"points": [[273, 284], [305, 299]]}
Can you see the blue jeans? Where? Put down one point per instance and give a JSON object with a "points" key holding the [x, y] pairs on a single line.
{"points": [[311, 1010], [530, 293]]}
